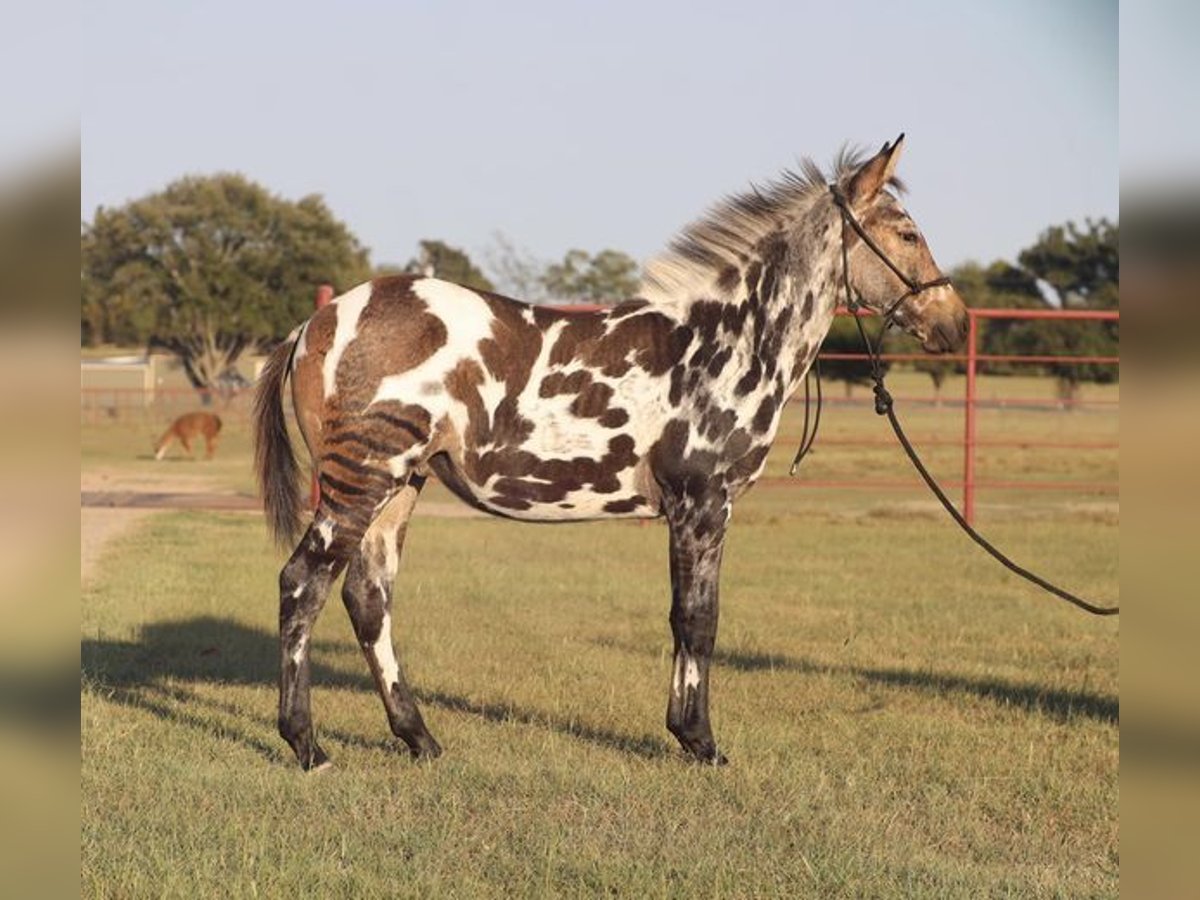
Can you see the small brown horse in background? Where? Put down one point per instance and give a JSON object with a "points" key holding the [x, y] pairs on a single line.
{"points": [[187, 427], [663, 406]]}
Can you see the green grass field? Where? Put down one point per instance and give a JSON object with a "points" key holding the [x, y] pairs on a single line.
{"points": [[903, 718]]}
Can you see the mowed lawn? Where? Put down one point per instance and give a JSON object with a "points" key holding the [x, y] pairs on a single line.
{"points": [[902, 716]]}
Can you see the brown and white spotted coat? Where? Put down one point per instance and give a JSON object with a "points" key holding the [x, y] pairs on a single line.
{"points": [[664, 406]]}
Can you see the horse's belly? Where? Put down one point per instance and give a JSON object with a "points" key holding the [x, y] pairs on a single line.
{"points": [[577, 507], [565, 498]]}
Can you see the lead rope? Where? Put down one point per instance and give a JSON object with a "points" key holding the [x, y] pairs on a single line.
{"points": [[807, 438], [885, 406]]}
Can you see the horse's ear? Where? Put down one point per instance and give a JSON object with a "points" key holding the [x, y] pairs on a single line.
{"points": [[874, 174]]}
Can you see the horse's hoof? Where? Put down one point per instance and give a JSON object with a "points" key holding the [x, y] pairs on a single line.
{"points": [[314, 760], [322, 766], [708, 756], [712, 757], [426, 750]]}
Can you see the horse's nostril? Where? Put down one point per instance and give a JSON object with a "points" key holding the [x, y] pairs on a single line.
{"points": [[948, 334]]}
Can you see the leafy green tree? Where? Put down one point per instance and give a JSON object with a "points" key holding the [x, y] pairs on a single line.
{"points": [[608, 277], [383, 269], [210, 266], [1081, 266], [1071, 268], [439, 260]]}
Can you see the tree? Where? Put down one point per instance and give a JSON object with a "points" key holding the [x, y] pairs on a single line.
{"points": [[210, 266], [1071, 268], [843, 337], [1081, 267], [516, 272], [439, 260], [609, 276]]}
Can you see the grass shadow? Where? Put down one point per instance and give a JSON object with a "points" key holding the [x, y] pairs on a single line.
{"points": [[1059, 704], [1056, 703], [645, 746], [147, 674], [1034, 698]]}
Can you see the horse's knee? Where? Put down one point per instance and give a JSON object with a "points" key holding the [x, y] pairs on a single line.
{"points": [[365, 602]]}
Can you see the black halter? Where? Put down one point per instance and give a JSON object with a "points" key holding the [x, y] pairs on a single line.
{"points": [[914, 287], [807, 436], [884, 404]]}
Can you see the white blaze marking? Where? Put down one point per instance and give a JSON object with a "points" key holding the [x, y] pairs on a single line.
{"points": [[298, 653], [392, 560], [400, 465], [691, 677], [349, 307], [325, 530], [382, 648]]}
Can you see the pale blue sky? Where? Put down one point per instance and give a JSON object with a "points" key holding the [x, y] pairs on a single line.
{"points": [[593, 125]]}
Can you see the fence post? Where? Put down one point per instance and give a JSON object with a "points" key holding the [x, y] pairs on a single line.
{"points": [[324, 295], [968, 498]]}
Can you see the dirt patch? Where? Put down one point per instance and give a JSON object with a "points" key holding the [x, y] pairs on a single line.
{"points": [[96, 480], [112, 501], [96, 528]]}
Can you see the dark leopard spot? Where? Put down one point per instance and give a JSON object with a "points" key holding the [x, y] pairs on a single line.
{"points": [[614, 418], [627, 505], [765, 415]]}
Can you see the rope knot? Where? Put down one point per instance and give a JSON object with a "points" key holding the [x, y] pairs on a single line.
{"points": [[883, 399]]}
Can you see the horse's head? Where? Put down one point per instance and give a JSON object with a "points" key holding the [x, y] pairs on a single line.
{"points": [[933, 313]]}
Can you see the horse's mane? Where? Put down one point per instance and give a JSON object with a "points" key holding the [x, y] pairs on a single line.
{"points": [[729, 232]]}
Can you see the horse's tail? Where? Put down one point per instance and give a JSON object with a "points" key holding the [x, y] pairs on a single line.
{"points": [[274, 460]]}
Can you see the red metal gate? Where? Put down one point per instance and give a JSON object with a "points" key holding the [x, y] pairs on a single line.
{"points": [[972, 359]]}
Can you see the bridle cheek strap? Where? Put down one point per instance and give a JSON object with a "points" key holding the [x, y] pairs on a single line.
{"points": [[914, 287]]}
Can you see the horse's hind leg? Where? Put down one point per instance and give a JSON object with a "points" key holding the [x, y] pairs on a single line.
{"points": [[304, 586], [367, 593]]}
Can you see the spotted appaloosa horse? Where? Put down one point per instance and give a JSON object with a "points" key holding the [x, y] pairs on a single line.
{"points": [[664, 406]]}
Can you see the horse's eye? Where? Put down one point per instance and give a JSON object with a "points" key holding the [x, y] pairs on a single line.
{"points": [[909, 237]]}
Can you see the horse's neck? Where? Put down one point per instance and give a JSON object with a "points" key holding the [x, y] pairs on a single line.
{"points": [[788, 292]]}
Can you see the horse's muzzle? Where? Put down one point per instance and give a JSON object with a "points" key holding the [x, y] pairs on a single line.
{"points": [[948, 334]]}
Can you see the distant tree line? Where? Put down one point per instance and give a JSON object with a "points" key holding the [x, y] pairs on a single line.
{"points": [[212, 267]]}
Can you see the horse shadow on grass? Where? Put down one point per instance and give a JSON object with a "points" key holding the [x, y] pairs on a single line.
{"points": [[1061, 705], [158, 673]]}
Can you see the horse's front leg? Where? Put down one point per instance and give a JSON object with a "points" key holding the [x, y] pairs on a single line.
{"points": [[697, 525]]}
